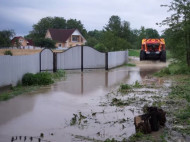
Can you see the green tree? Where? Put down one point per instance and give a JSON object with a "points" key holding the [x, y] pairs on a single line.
{"points": [[152, 33], [5, 37], [44, 42], [179, 28], [113, 42], [114, 25], [40, 29], [76, 24]]}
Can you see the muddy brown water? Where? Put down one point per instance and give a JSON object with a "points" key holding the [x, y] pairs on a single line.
{"points": [[50, 109]]}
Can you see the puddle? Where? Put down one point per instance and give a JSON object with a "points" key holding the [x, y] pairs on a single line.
{"points": [[50, 109]]}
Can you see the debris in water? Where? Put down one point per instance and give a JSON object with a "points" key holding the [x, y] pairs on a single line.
{"points": [[150, 121]]}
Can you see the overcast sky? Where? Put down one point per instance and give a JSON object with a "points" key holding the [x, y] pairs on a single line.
{"points": [[20, 15]]}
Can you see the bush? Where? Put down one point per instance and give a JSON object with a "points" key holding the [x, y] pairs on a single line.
{"points": [[42, 78], [29, 79], [59, 74], [8, 52]]}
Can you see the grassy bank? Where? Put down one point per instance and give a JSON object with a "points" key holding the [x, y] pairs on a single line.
{"points": [[32, 82], [134, 52], [178, 100]]}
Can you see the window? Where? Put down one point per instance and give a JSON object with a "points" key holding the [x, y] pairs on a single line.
{"points": [[60, 45], [75, 38], [21, 40]]}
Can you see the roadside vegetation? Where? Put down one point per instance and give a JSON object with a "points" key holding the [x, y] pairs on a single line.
{"points": [[178, 100], [31, 82], [134, 52], [8, 52]]}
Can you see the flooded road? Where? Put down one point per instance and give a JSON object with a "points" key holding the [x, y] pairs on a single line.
{"points": [[49, 111]]}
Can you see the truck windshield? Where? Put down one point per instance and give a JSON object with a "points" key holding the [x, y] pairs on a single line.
{"points": [[153, 45]]}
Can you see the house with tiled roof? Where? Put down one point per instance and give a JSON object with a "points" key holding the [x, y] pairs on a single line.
{"points": [[19, 41], [65, 38]]}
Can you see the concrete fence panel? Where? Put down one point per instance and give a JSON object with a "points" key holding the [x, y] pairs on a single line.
{"points": [[14, 67], [117, 58], [46, 58], [69, 59], [93, 58]]}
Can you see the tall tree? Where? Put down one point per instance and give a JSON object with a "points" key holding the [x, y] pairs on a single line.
{"points": [[114, 25], [179, 24], [76, 24], [152, 33], [40, 29], [5, 37]]}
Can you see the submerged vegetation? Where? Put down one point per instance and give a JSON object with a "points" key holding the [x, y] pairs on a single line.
{"points": [[31, 82]]}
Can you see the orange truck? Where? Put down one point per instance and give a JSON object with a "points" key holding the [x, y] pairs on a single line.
{"points": [[153, 49]]}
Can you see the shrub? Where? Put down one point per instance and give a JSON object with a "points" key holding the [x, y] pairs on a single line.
{"points": [[29, 79], [59, 74], [43, 78], [125, 87], [8, 52]]}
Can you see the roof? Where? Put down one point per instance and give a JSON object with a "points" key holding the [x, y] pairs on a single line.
{"points": [[15, 39], [30, 42], [61, 35]]}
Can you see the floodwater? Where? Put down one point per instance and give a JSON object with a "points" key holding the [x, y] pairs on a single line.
{"points": [[50, 109]]}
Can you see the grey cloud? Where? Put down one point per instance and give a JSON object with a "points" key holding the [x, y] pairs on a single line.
{"points": [[94, 14]]}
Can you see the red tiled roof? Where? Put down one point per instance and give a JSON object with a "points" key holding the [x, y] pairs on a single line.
{"points": [[61, 35], [15, 39], [30, 42]]}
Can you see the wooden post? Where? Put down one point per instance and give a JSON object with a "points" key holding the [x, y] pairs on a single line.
{"points": [[82, 58], [106, 61]]}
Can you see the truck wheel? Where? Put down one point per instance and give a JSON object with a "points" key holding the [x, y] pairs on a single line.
{"points": [[163, 56], [142, 55]]}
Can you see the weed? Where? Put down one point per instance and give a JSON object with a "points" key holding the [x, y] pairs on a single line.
{"points": [[119, 102], [130, 65], [74, 119], [15, 91], [8, 52], [136, 137], [58, 74], [110, 140], [77, 119], [124, 87], [133, 52], [137, 84]]}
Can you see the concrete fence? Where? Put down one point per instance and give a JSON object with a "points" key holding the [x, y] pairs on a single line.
{"points": [[12, 68]]}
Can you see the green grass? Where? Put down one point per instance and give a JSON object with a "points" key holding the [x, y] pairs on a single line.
{"points": [[15, 91], [134, 52], [32, 82], [175, 68], [130, 65], [168, 55]]}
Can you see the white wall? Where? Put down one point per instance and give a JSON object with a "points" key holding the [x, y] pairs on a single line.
{"points": [[117, 58], [93, 58], [12, 68], [69, 59]]}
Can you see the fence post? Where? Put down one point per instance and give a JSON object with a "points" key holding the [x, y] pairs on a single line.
{"points": [[54, 62], [40, 61], [82, 58], [106, 61]]}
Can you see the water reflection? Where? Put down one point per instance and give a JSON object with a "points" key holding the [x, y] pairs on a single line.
{"points": [[49, 107], [89, 81]]}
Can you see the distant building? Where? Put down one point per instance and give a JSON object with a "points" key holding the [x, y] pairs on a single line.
{"points": [[65, 38], [19, 41]]}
